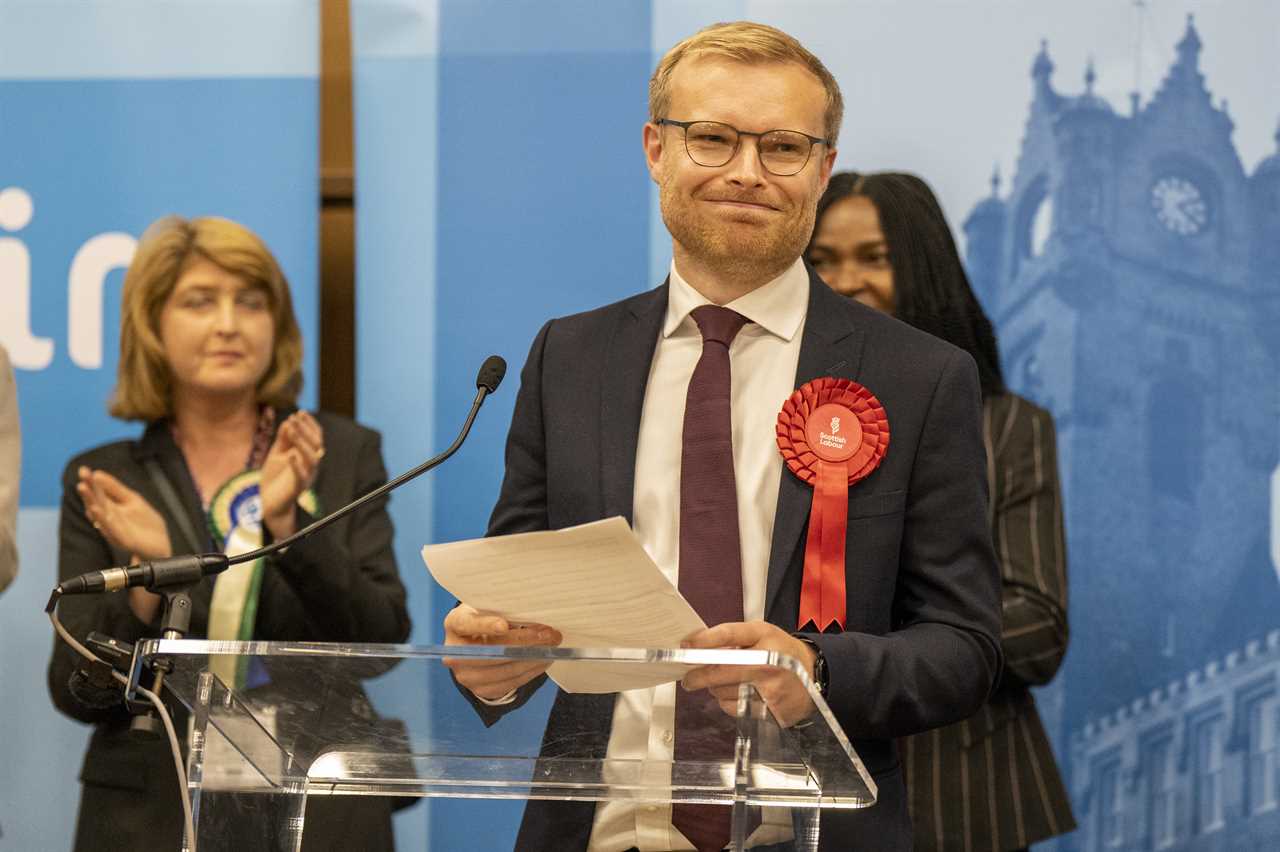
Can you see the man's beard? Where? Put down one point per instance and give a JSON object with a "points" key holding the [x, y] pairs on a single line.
{"points": [[736, 248]]}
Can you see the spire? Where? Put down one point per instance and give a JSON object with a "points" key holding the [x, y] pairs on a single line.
{"points": [[1184, 82], [1041, 71], [1189, 47], [1089, 77], [995, 175], [1042, 68]]}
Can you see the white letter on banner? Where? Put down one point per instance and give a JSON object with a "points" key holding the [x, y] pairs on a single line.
{"points": [[25, 349], [89, 269]]}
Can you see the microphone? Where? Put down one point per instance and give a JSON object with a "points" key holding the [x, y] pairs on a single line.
{"points": [[492, 372], [157, 574], [184, 570]]}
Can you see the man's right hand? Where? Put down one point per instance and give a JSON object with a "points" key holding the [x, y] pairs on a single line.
{"points": [[493, 679]]}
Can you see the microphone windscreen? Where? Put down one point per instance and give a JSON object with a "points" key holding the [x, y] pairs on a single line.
{"points": [[491, 373]]}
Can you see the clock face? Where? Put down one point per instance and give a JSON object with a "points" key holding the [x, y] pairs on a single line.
{"points": [[1179, 205]]}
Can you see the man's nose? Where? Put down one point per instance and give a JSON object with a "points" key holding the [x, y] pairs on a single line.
{"points": [[746, 168]]}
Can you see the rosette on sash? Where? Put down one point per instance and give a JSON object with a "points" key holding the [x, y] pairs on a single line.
{"points": [[832, 433], [235, 519]]}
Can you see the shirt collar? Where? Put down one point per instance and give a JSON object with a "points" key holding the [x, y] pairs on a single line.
{"points": [[777, 307]]}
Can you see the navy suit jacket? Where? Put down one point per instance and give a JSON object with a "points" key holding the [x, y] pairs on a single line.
{"points": [[921, 645]]}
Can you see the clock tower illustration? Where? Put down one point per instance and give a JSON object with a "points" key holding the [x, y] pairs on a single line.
{"points": [[1132, 271]]}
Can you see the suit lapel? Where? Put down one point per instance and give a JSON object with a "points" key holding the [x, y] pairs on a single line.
{"points": [[831, 346], [626, 374], [157, 445]]}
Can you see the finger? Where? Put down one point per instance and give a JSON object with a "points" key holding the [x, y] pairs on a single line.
{"points": [[92, 512], [302, 467], [111, 488], [309, 430], [310, 454], [731, 634], [522, 636], [466, 664], [491, 670], [87, 495], [284, 439], [496, 679], [532, 635], [724, 693], [98, 490], [305, 443], [472, 627], [709, 677], [296, 432]]}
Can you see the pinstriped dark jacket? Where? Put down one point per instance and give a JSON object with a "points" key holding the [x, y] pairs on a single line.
{"points": [[990, 783]]}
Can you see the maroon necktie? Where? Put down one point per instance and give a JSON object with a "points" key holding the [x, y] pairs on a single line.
{"points": [[710, 556]]}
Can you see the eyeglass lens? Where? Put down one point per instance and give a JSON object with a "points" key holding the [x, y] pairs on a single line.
{"points": [[710, 143]]}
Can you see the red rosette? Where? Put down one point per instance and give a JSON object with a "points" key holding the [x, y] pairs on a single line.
{"points": [[819, 442]]}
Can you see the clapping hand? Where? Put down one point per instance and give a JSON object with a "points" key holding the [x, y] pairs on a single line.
{"points": [[123, 516], [288, 470], [128, 522]]}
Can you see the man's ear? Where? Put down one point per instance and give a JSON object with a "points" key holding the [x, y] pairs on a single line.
{"points": [[828, 164], [653, 150]]}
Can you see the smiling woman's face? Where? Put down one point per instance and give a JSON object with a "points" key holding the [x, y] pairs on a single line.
{"points": [[218, 332], [849, 251]]}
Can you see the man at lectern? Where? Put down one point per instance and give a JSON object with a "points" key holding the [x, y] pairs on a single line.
{"points": [[664, 409]]}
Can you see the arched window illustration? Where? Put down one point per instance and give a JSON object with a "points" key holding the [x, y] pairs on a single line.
{"points": [[1175, 426]]}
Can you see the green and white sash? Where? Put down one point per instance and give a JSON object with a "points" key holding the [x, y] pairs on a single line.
{"points": [[235, 518]]}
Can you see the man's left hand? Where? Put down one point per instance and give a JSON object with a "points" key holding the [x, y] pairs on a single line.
{"points": [[781, 690]]}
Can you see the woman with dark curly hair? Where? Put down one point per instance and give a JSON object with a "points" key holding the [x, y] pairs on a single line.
{"points": [[989, 782]]}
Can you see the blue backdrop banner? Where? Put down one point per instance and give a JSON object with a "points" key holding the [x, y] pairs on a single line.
{"points": [[112, 114], [1125, 249]]}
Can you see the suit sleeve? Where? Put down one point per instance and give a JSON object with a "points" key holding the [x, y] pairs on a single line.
{"points": [[347, 587], [82, 548], [1030, 547], [522, 502], [939, 661]]}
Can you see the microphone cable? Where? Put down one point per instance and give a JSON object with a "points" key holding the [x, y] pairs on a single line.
{"points": [[161, 710], [490, 376]]}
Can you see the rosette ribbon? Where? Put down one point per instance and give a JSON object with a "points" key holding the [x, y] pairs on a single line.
{"points": [[832, 433]]}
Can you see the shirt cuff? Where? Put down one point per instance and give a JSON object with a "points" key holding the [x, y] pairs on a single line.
{"points": [[497, 702]]}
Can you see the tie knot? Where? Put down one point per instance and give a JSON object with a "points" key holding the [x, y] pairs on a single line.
{"points": [[718, 323]]}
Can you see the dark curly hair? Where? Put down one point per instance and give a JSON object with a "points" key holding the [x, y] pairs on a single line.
{"points": [[931, 289]]}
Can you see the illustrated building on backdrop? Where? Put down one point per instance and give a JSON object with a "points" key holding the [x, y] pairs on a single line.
{"points": [[1133, 275]]}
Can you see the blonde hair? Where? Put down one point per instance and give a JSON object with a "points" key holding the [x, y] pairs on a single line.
{"points": [[749, 42], [144, 382]]}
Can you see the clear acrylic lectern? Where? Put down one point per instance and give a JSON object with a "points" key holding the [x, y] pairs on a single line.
{"points": [[302, 726]]}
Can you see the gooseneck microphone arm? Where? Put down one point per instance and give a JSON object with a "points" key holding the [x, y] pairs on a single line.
{"points": [[481, 392], [181, 570]]}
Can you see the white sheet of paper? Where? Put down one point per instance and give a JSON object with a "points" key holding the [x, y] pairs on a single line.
{"points": [[595, 583]]}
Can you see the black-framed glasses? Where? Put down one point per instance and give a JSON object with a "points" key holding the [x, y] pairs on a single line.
{"points": [[714, 143]]}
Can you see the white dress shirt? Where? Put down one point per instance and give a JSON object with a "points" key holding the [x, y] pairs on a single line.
{"points": [[762, 360]]}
